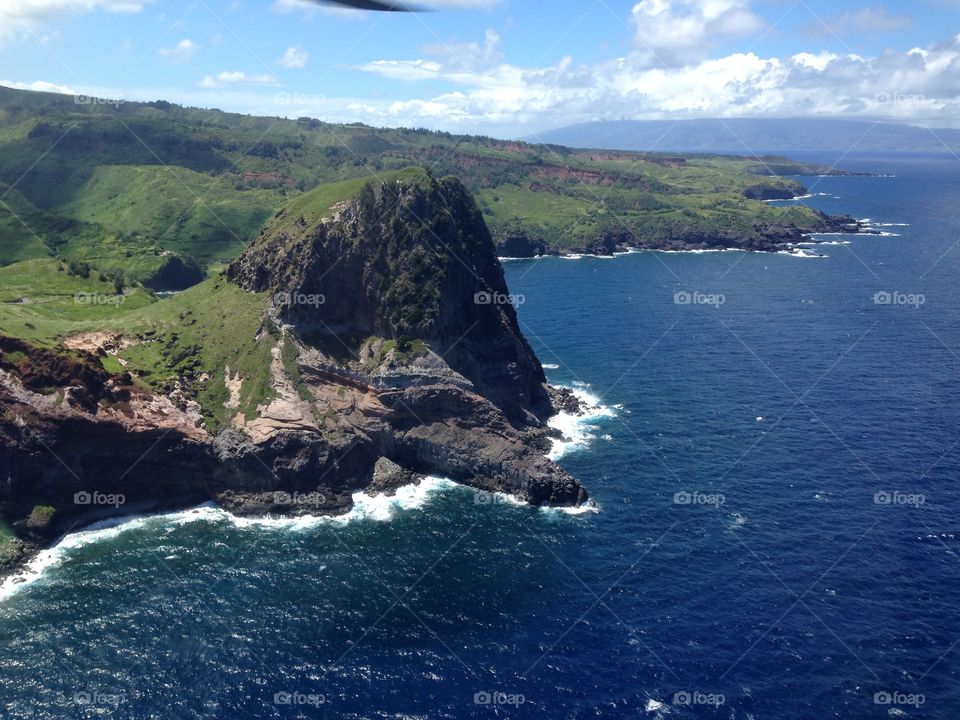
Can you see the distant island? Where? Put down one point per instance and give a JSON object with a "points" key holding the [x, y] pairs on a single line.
{"points": [[753, 135]]}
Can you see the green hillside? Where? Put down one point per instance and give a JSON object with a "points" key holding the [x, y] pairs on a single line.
{"points": [[147, 188]]}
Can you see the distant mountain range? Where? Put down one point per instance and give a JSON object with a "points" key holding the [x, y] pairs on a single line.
{"points": [[745, 135]]}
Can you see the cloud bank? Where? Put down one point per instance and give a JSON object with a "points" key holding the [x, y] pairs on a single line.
{"points": [[668, 76], [22, 17]]}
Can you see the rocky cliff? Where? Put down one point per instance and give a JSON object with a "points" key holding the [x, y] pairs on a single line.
{"points": [[407, 260], [396, 354]]}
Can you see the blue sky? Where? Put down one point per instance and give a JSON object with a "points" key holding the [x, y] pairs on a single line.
{"points": [[504, 67]]}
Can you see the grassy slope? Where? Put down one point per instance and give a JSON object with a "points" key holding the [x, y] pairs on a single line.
{"points": [[202, 330], [114, 185], [147, 201], [42, 303]]}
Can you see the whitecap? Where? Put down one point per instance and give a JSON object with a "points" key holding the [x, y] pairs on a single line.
{"points": [[793, 199], [577, 430], [801, 253], [383, 507], [589, 507], [655, 706], [378, 508], [550, 366], [580, 256], [52, 557], [700, 251]]}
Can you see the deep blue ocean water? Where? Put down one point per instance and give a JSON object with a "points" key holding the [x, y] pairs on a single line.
{"points": [[779, 533]]}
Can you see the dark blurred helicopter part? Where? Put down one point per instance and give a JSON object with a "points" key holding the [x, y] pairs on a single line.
{"points": [[374, 5]]}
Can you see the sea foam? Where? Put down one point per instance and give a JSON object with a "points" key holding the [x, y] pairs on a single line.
{"points": [[578, 431], [378, 508], [54, 556]]}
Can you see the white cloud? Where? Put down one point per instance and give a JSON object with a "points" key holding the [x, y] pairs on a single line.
{"points": [[403, 69], [919, 85], [818, 61], [468, 55], [674, 32], [236, 77], [181, 52], [294, 57], [865, 20], [38, 86], [22, 17]]}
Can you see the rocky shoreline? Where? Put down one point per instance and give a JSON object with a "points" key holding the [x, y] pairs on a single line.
{"points": [[228, 470], [517, 245]]}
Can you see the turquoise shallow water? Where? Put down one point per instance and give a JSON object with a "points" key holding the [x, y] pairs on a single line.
{"points": [[778, 535]]}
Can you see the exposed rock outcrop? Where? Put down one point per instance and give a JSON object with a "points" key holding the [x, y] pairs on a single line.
{"points": [[406, 260]]}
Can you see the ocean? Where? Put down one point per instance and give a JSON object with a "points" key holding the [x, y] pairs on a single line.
{"points": [[774, 453]]}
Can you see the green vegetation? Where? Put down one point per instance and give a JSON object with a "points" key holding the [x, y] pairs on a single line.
{"points": [[7, 541], [195, 336], [42, 302], [404, 351], [192, 336], [131, 186], [41, 516]]}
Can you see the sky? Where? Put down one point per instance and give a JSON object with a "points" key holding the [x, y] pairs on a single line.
{"points": [[506, 68]]}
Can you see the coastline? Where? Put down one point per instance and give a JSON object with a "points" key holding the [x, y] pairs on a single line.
{"points": [[570, 433], [795, 248]]}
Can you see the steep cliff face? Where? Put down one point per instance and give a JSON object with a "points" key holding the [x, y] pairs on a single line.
{"points": [[393, 345], [409, 259]]}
